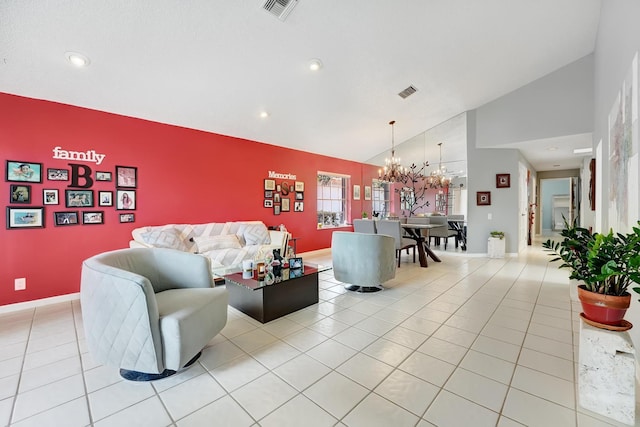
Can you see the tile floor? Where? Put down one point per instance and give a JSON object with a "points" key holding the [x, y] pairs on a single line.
{"points": [[470, 341]]}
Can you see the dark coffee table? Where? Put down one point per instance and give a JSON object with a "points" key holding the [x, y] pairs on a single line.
{"points": [[268, 302]]}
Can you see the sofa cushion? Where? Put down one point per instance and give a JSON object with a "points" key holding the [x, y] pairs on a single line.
{"points": [[255, 234], [164, 238], [209, 243]]}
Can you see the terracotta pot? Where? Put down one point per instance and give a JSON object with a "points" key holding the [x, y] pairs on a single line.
{"points": [[606, 309]]}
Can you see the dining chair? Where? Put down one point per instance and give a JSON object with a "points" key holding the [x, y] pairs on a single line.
{"points": [[364, 226], [394, 229], [443, 232]]}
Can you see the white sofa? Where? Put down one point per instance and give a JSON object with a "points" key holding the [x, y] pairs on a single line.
{"points": [[226, 244]]}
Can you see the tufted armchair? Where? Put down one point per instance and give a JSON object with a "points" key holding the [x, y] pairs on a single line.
{"points": [[150, 311], [363, 261]]}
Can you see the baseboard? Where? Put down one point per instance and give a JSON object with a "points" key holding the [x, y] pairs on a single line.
{"points": [[39, 303]]}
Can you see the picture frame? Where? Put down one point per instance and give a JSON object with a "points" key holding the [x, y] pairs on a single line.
{"points": [[295, 263], [127, 177], [126, 200], [268, 194], [105, 198], [299, 195], [278, 188], [57, 174], [127, 217], [299, 186], [276, 198], [268, 203], [20, 193], [17, 171], [32, 217], [78, 198], [483, 198], [93, 217], [103, 176], [298, 206], [64, 218], [356, 192], [285, 204], [503, 180], [50, 196], [367, 192], [276, 209], [270, 184]]}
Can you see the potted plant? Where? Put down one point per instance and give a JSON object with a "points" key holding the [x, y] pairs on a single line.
{"points": [[604, 264], [497, 234]]}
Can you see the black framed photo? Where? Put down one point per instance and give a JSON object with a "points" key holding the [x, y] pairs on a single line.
{"points": [[78, 198], [276, 198], [19, 193], [268, 203], [483, 198], [298, 206], [126, 200], [25, 217], [94, 217], [268, 194], [276, 209], [17, 171], [65, 218], [103, 176], [295, 263], [127, 177], [285, 206], [299, 195], [105, 198], [503, 180], [270, 184], [58, 174], [127, 217], [50, 196]]}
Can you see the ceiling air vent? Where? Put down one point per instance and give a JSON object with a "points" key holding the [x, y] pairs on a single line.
{"points": [[408, 91], [280, 8]]}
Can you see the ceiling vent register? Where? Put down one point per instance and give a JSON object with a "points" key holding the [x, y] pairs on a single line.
{"points": [[408, 91], [280, 8]]}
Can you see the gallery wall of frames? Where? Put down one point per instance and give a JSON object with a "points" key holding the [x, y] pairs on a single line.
{"points": [[77, 195]]}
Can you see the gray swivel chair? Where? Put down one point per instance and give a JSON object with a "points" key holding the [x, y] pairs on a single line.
{"points": [[150, 311], [443, 232], [363, 261], [364, 226], [394, 229]]}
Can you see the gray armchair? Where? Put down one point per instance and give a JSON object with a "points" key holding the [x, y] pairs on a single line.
{"points": [[150, 311], [363, 261]]}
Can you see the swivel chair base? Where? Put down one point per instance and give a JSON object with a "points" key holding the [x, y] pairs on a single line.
{"points": [[363, 289], [143, 376]]}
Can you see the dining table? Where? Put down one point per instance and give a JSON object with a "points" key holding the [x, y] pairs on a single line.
{"points": [[422, 241]]}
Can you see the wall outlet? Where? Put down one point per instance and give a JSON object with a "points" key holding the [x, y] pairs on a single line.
{"points": [[489, 216], [20, 284]]}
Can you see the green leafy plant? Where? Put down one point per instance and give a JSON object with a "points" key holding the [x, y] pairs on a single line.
{"points": [[604, 263], [497, 234], [364, 215]]}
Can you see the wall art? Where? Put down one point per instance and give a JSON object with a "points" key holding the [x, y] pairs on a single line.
{"points": [[483, 198], [19, 193], [503, 180], [65, 218], [25, 217], [50, 196], [126, 200], [127, 177], [17, 171], [78, 198]]}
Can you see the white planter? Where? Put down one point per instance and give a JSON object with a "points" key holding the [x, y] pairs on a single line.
{"points": [[496, 247]]}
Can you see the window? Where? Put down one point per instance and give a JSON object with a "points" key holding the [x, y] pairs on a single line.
{"points": [[381, 198], [332, 199]]}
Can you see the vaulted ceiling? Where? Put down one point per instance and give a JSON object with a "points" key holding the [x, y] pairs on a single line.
{"points": [[216, 65]]}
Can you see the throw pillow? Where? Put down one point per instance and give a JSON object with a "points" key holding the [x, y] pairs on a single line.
{"points": [[168, 238], [256, 234], [209, 243]]}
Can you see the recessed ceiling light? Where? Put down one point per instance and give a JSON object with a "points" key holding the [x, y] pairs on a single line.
{"points": [[552, 148], [264, 114], [582, 150], [77, 59], [315, 64]]}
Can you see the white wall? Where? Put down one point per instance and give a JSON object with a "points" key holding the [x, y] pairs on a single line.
{"points": [[558, 104], [617, 42]]}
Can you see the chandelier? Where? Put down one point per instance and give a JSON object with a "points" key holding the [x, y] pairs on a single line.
{"points": [[438, 178], [393, 170]]}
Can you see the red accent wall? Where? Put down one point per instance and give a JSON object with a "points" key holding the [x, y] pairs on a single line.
{"points": [[184, 176]]}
